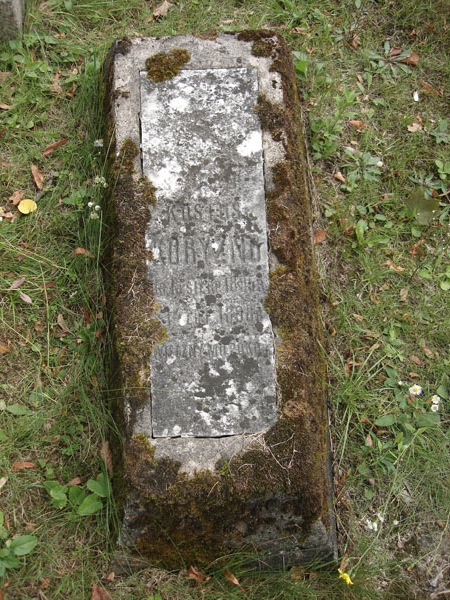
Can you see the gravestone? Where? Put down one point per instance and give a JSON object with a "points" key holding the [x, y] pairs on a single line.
{"points": [[217, 372], [11, 19]]}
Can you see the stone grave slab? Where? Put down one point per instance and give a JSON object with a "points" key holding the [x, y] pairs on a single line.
{"points": [[217, 375]]}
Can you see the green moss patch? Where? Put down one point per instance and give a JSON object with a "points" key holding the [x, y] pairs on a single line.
{"points": [[165, 65]]}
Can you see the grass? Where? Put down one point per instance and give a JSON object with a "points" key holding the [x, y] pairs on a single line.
{"points": [[384, 273]]}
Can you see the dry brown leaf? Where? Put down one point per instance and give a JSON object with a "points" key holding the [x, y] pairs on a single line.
{"points": [[3, 482], [414, 127], [403, 294], [414, 375], [17, 197], [49, 149], [17, 283], [395, 51], [392, 266], [330, 328], [416, 360], [75, 481], [18, 466], [106, 456], [297, 573], [98, 593], [83, 252], [231, 578], [109, 578], [197, 575], [5, 106], [25, 297], [62, 323], [369, 441], [429, 89], [320, 236], [358, 317], [355, 41], [412, 59], [161, 10], [4, 348], [55, 87], [45, 583], [38, 177], [359, 125], [301, 30], [338, 175], [415, 249]]}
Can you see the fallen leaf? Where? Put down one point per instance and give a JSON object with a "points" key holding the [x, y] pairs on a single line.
{"points": [[429, 89], [297, 573], [320, 236], [75, 481], [428, 352], [355, 41], [331, 330], [3, 481], [25, 297], [17, 283], [358, 317], [338, 175], [4, 348], [18, 466], [414, 127], [38, 177], [403, 294], [38, 326], [395, 51], [415, 249], [369, 441], [5, 106], [197, 575], [27, 206], [414, 375], [55, 87], [45, 583], [161, 10], [416, 360], [83, 252], [300, 30], [49, 149], [106, 456], [62, 324], [98, 593], [412, 59], [108, 578], [358, 124], [231, 578], [17, 197], [392, 266]]}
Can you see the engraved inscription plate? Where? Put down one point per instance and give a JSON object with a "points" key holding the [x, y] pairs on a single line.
{"points": [[202, 149]]}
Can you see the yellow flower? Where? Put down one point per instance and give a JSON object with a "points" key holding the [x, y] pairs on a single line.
{"points": [[345, 577]]}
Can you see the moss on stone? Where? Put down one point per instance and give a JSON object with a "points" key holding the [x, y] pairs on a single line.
{"points": [[165, 65]]}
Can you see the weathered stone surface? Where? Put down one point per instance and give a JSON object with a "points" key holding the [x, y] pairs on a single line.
{"points": [[11, 19], [202, 149], [217, 369]]}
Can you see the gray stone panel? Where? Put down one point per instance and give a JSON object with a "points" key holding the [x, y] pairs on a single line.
{"points": [[202, 149]]}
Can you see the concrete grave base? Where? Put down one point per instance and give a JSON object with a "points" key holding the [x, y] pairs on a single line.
{"points": [[196, 485], [11, 19]]}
